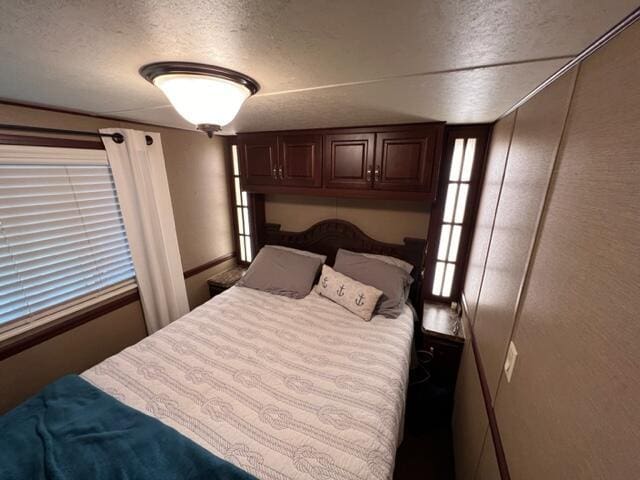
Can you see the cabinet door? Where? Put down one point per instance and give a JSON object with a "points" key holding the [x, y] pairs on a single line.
{"points": [[406, 160], [258, 159], [300, 160], [348, 160]]}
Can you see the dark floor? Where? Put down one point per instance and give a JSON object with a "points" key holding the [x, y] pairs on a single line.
{"points": [[426, 452], [425, 456]]}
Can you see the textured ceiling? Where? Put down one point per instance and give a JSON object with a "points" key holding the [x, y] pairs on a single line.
{"points": [[320, 63]]}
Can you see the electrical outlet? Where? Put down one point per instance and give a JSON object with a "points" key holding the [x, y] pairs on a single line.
{"points": [[510, 362]]}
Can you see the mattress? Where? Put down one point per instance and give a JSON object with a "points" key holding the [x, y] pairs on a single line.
{"points": [[282, 388]]}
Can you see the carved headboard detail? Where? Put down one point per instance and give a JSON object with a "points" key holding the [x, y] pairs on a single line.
{"points": [[328, 236]]}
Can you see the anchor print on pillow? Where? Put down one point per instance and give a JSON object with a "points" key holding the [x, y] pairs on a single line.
{"points": [[355, 296]]}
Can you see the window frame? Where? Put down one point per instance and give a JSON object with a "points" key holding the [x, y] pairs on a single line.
{"points": [[56, 319], [251, 206], [481, 132]]}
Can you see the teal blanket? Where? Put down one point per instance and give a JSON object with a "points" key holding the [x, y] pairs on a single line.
{"points": [[73, 430]]}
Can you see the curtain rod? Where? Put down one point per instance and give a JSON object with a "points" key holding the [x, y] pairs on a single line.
{"points": [[116, 137]]}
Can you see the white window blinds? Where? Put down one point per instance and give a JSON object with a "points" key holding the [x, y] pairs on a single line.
{"points": [[61, 231]]}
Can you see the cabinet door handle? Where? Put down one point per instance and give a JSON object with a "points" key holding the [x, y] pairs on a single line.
{"points": [[281, 175], [376, 174], [368, 174], [275, 173]]}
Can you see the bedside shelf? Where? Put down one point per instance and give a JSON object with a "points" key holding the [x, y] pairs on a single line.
{"points": [[222, 281], [441, 322], [439, 344]]}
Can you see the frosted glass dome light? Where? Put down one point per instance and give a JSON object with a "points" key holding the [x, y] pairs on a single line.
{"points": [[208, 97]]}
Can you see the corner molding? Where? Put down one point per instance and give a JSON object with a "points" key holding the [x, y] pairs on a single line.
{"points": [[587, 52]]}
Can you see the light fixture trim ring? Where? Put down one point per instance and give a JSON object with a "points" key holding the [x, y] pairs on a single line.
{"points": [[153, 70]]}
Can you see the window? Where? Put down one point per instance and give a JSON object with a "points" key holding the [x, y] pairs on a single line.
{"points": [[453, 217], [62, 239], [241, 214]]}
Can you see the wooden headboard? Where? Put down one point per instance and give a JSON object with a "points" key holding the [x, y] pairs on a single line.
{"points": [[328, 236]]}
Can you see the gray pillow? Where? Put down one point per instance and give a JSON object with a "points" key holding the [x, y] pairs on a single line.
{"points": [[392, 280], [323, 258], [281, 272], [407, 267]]}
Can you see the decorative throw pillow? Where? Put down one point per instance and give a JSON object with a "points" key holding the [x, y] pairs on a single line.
{"points": [[392, 280], [356, 297]]}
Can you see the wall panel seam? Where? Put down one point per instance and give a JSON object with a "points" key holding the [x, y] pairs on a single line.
{"points": [[493, 221], [487, 433], [539, 221]]}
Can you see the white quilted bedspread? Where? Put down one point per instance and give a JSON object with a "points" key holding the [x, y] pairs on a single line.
{"points": [[283, 388]]}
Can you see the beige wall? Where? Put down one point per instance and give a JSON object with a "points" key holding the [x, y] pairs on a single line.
{"points": [[494, 172], [562, 279], [197, 287], [199, 193], [383, 220], [534, 145], [74, 351], [470, 421]]}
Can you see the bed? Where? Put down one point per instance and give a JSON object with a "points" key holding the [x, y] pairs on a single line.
{"points": [[282, 388]]}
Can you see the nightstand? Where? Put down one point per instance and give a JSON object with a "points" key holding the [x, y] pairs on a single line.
{"points": [[442, 340], [222, 281], [439, 344]]}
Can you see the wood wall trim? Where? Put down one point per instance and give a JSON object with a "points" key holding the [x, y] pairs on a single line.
{"points": [[32, 141], [65, 111], [210, 264], [70, 323], [486, 396]]}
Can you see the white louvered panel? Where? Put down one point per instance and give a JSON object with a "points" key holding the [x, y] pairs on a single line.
{"points": [[56, 236], [37, 283], [88, 281], [51, 248], [61, 231], [53, 264], [57, 230], [50, 214]]}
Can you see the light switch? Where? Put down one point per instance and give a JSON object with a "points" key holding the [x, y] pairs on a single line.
{"points": [[510, 362]]}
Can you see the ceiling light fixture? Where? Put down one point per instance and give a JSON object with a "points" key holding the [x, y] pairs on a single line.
{"points": [[207, 96]]}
